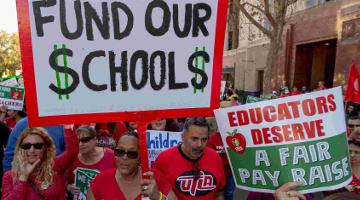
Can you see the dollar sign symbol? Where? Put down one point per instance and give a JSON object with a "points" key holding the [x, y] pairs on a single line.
{"points": [[197, 71], [63, 69]]}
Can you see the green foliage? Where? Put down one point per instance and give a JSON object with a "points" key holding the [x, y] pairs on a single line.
{"points": [[9, 52]]}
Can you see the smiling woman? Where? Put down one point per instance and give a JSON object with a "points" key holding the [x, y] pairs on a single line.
{"points": [[36, 174], [90, 157]]}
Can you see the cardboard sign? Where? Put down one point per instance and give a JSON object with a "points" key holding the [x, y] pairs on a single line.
{"points": [[158, 141], [12, 97], [120, 60], [297, 138], [83, 177]]}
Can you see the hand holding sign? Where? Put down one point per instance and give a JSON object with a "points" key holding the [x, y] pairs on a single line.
{"points": [[286, 192]]}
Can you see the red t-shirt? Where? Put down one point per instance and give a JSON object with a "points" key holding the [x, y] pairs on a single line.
{"points": [[297, 92], [355, 182], [107, 162], [189, 181], [216, 143], [10, 122], [105, 187]]}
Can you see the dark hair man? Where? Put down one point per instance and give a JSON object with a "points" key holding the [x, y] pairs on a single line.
{"points": [[194, 170]]}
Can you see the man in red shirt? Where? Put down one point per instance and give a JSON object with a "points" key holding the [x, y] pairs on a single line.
{"points": [[194, 170]]}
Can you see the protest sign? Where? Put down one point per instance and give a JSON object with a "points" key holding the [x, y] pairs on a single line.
{"points": [[83, 177], [12, 82], [158, 141], [297, 138], [12, 97], [113, 60]]}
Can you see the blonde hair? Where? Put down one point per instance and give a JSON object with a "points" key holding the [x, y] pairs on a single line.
{"points": [[44, 171]]}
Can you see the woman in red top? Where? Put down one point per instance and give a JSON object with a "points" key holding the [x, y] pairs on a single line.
{"points": [[90, 157], [125, 181], [35, 173]]}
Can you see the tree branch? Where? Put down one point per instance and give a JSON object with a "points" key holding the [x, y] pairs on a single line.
{"points": [[268, 14], [253, 21], [254, 6], [289, 2]]}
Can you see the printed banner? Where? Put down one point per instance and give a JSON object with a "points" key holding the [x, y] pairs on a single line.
{"points": [[297, 138], [83, 177], [12, 97], [114, 60], [158, 141]]}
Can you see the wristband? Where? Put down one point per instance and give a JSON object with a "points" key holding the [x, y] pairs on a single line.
{"points": [[160, 195]]}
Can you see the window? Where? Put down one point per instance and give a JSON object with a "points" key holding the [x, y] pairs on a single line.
{"points": [[260, 81], [311, 3], [230, 40]]}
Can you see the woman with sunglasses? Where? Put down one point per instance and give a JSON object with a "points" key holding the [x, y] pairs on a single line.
{"points": [[36, 173], [90, 157], [125, 181]]}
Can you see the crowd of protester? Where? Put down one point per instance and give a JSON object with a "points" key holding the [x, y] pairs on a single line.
{"points": [[39, 163]]}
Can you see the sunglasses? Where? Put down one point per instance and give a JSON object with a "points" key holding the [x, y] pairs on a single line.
{"points": [[85, 139], [129, 154], [27, 146]]}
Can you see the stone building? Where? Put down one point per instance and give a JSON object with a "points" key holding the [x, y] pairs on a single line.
{"points": [[320, 40]]}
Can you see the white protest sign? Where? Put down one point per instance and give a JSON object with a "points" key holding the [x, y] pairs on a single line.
{"points": [[297, 138], [112, 57], [158, 141]]}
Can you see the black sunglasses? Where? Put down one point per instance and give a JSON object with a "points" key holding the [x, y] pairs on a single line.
{"points": [[129, 154], [85, 139], [27, 146]]}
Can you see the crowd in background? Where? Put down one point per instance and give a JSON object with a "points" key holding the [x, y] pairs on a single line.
{"points": [[112, 148]]}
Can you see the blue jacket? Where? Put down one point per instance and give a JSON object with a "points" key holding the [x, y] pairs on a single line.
{"points": [[56, 133]]}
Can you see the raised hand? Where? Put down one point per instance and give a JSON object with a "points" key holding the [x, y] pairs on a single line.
{"points": [[26, 168]]}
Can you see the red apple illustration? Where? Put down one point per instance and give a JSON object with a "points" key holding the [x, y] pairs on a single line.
{"points": [[236, 141], [15, 94]]}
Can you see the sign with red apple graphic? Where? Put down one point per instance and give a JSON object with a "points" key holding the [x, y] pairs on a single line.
{"points": [[12, 97], [236, 141], [296, 138]]}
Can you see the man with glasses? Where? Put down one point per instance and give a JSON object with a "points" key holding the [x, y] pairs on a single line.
{"points": [[194, 170]]}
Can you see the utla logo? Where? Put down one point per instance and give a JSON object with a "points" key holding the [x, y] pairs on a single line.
{"points": [[236, 141]]}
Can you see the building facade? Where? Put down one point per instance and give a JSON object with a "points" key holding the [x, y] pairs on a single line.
{"points": [[320, 40]]}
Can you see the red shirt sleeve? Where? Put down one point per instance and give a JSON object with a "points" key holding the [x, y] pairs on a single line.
{"points": [[64, 161], [12, 191]]}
